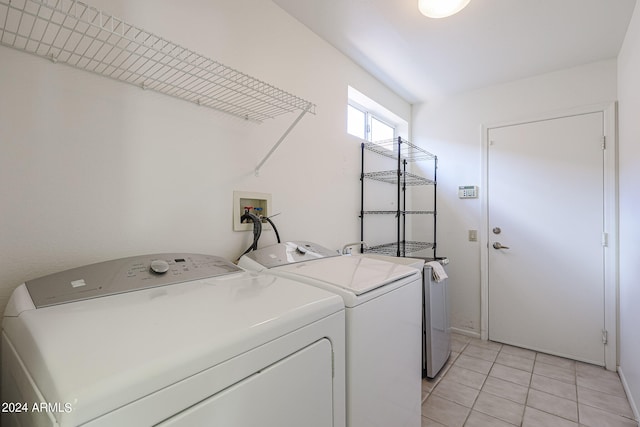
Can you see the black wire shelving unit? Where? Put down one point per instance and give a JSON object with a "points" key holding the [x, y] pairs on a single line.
{"points": [[402, 152]]}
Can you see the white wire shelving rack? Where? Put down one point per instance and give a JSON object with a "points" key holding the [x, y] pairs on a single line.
{"points": [[73, 33]]}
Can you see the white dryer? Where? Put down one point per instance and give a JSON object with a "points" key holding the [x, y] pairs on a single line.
{"points": [[383, 326], [172, 340]]}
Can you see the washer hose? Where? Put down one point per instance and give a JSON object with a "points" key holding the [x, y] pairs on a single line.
{"points": [[257, 230], [275, 230]]}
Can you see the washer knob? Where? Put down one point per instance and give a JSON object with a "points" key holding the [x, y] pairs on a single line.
{"points": [[159, 266]]}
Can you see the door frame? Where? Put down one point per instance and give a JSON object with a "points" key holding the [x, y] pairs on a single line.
{"points": [[611, 303]]}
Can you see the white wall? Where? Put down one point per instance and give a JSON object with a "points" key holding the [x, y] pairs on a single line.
{"points": [[629, 177], [92, 169], [451, 128]]}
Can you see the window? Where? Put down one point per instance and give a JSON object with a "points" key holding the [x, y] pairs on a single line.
{"points": [[380, 131], [356, 122], [365, 125], [370, 121]]}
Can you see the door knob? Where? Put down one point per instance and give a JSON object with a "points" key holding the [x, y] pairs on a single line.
{"points": [[498, 245]]}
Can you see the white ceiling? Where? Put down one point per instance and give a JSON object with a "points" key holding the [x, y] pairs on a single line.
{"points": [[489, 42]]}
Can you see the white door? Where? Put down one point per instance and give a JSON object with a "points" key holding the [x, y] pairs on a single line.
{"points": [[545, 207]]}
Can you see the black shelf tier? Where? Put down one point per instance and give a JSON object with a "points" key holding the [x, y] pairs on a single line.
{"points": [[401, 212], [408, 151], [406, 248], [391, 177]]}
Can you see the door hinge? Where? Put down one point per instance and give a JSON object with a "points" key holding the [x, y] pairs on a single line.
{"points": [[605, 336], [604, 142], [605, 239]]}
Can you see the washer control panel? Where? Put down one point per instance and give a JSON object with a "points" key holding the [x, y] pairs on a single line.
{"points": [[125, 275]]}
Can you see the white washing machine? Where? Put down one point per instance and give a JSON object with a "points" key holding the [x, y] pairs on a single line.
{"points": [[383, 326], [172, 340]]}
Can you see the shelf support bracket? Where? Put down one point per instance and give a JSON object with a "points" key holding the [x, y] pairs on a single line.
{"points": [[277, 144]]}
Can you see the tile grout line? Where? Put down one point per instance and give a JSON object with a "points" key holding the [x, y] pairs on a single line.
{"points": [[526, 401], [479, 391]]}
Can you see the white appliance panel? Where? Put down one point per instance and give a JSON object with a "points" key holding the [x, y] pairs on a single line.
{"points": [[437, 344], [384, 359], [383, 329], [355, 274], [299, 390], [178, 397], [416, 263]]}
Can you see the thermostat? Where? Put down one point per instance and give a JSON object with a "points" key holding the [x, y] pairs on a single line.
{"points": [[468, 192]]}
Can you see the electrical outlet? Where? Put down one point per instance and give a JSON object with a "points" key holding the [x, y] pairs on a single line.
{"points": [[257, 203]]}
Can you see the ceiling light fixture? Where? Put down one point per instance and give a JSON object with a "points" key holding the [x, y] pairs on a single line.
{"points": [[441, 8]]}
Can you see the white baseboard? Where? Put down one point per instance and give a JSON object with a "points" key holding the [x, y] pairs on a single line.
{"points": [[465, 332], [632, 402]]}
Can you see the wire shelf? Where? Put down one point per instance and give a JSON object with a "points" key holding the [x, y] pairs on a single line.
{"points": [[76, 34], [380, 212], [396, 212], [391, 177], [408, 151], [419, 212], [405, 248]]}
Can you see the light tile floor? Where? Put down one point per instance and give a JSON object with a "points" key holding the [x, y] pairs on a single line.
{"points": [[486, 384]]}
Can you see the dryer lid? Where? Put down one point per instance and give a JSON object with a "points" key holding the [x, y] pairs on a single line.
{"points": [[289, 253], [354, 274]]}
